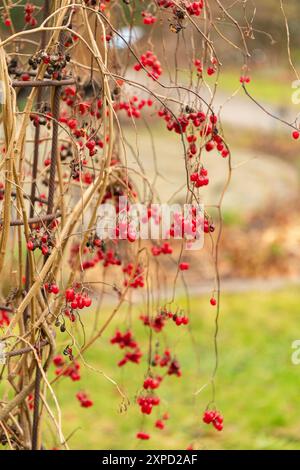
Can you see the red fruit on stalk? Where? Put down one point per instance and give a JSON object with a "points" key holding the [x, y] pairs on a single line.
{"points": [[296, 135], [184, 266], [25, 77], [87, 301], [80, 303], [210, 71], [30, 245], [54, 289], [159, 424], [143, 436], [70, 295], [213, 301], [209, 146], [74, 305], [218, 425], [58, 361], [208, 417], [45, 250]]}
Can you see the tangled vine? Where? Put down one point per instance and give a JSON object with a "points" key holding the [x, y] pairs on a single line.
{"points": [[75, 77]]}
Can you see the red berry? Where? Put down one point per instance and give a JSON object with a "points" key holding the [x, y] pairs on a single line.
{"points": [[55, 289], [159, 424], [296, 135], [184, 266], [25, 77], [143, 436], [70, 295], [213, 301], [30, 245], [45, 250], [58, 361], [74, 304]]}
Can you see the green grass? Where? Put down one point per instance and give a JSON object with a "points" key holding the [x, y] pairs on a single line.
{"points": [[266, 86], [257, 385]]}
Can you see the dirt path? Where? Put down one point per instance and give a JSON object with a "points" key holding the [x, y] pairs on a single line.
{"points": [[257, 180]]}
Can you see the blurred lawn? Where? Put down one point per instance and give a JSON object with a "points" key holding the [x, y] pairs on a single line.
{"points": [[257, 385], [273, 87]]}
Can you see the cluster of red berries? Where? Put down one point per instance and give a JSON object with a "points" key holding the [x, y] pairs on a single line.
{"points": [[56, 63], [214, 418], [93, 107], [194, 8], [198, 65], [42, 241], [197, 120], [133, 107], [51, 288], [213, 67], [245, 79], [136, 276], [209, 227], [77, 300], [192, 150], [180, 319], [108, 256], [164, 249], [43, 118], [126, 341], [84, 400], [30, 401], [72, 370], [187, 225], [147, 403], [1, 191], [29, 11], [4, 318], [158, 322], [151, 63], [178, 125], [134, 357], [69, 95], [152, 383], [200, 178], [148, 18], [70, 40], [166, 360], [165, 3]]}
